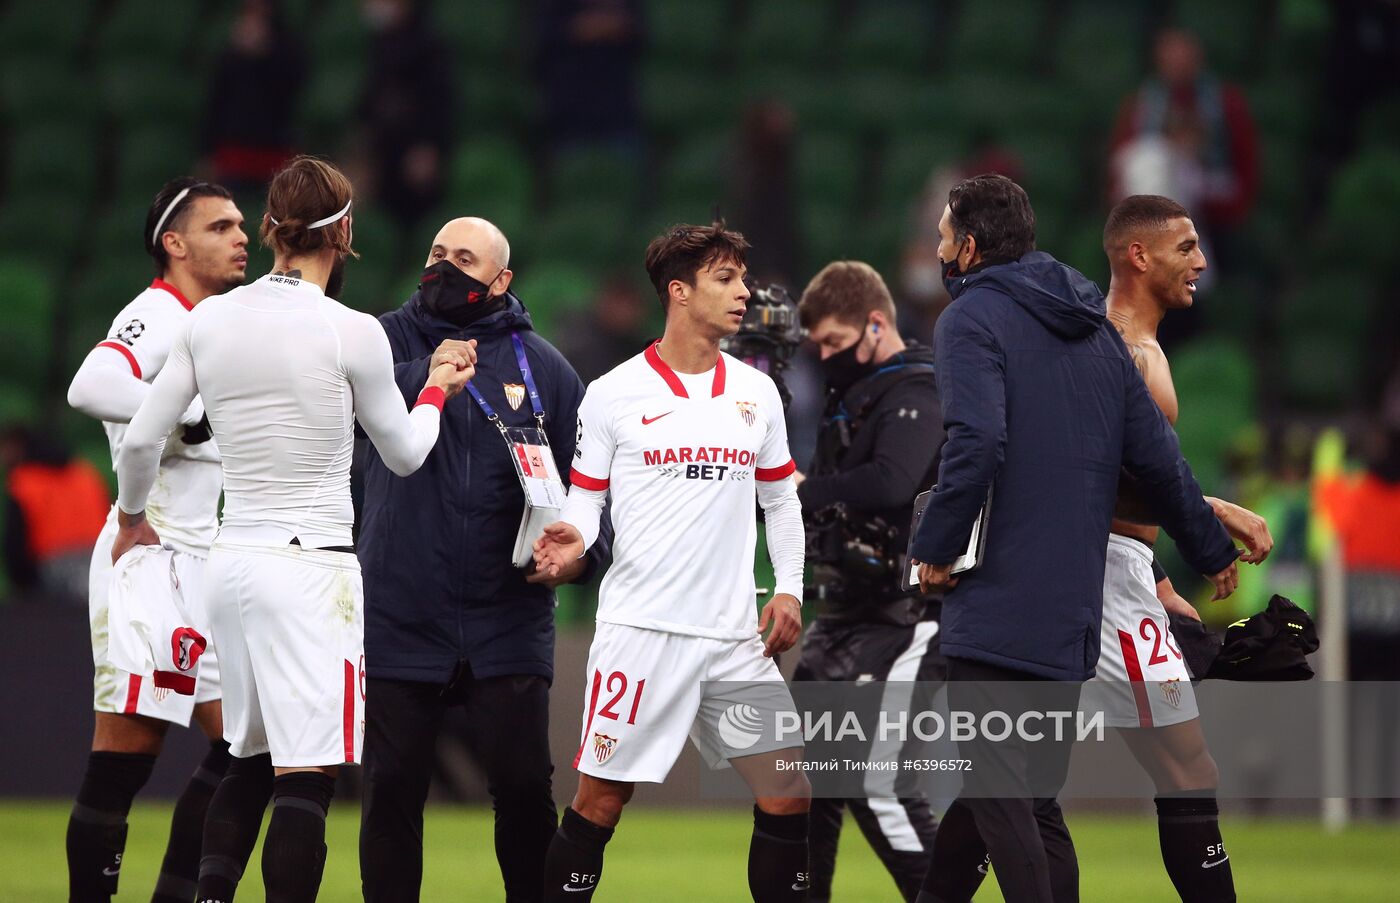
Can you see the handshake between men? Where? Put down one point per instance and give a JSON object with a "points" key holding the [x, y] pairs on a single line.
{"points": [[453, 364]]}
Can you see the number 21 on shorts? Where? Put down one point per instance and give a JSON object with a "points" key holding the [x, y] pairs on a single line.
{"points": [[617, 685]]}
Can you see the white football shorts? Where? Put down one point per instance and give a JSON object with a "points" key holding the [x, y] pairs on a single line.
{"points": [[124, 693], [291, 628], [1141, 679], [647, 690]]}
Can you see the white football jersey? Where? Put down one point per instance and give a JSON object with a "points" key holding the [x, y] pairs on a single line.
{"points": [[284, 373], [184, 503], [679, 454]]}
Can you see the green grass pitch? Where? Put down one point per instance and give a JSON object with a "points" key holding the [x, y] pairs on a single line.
{"points": [[699, 855]]}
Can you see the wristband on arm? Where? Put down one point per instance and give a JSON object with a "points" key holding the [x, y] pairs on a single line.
{"points": [[1158, 574]]}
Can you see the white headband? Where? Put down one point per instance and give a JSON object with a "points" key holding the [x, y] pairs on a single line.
{"points": [[334, 217], [155, 236]]}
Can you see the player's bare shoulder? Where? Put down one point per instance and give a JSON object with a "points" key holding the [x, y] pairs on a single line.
{"points": [[1151, 361]]}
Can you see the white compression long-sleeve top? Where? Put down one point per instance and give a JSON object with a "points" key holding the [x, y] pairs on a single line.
{"points": [[284, 373]]}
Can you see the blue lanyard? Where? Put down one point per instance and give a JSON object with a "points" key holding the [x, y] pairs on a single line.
{"points": [[530, 387]]}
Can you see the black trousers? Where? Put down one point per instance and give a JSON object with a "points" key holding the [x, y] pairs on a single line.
{"points": [[1014, 783], [508, 719], [900, 830]]}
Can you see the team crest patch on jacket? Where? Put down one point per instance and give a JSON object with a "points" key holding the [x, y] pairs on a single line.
{"points": [[515, 394], [747, 410], [603, 747]]}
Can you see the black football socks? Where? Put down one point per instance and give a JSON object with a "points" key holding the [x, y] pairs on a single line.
{"points": [[97, 825], [294, 854], [778, 857], [231, 826], [1188, 827], [575, 859], [960, 859], [179, 872]]}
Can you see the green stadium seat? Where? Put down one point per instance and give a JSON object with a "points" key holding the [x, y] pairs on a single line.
{"points": [[1365, 194], [549, 290], [588, 234], [1215, 383], [829, 171], [1283, 106], [39, 29], [1081, 248], [487, 28], [1006, 37], [909, 163], [119, 229], [1230, 32], [825, 230], [674, 101], [148, 158], [696, 173], [29, 321], [1055, 172], [341, 35], [693, 30], [53, 163], [139, 90], [45, 91], [491, 173], [815, 97], [1320, 372], [595, 174], [894, 36], [876, 102], [18, 404], [43, 231], [330, 98], [509, 101], [791, 30], [1099, 53], [106, 286], [146, 29]]}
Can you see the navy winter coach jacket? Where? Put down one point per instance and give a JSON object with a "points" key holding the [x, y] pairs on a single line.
{"points": [[435, 547], [1041, 398]]}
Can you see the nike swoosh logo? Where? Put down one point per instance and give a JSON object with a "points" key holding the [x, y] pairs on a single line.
{"points": [[1210, 865], [112, 873], [648, 420], [574, 890], [800, 887]]}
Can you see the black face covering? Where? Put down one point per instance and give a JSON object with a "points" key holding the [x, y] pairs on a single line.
{"points": [[459, 299], [951, 270], [844, 369]]}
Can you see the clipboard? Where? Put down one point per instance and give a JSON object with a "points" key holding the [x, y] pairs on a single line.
{"points": [[967, 561]]}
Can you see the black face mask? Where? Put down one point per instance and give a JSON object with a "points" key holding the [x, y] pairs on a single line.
{"points": [[454, 296], [844, 369], [951, 270]]}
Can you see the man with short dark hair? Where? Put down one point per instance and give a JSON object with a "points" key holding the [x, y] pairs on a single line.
{"points": [[1040, 400], [193, 233], [685, 439], [877, 448], [1156, 258]]}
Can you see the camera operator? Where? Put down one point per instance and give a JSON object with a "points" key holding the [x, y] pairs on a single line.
{"points": [[877, 448]]}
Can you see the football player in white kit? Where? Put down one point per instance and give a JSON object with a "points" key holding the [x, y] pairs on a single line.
{"points": [[1141, 682], [285, 372], [194, 233], [683, 438]]}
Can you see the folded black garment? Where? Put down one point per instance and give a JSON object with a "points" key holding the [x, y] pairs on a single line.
{"points": [[1271, 645]]}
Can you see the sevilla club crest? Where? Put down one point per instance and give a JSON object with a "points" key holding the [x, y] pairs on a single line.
{"points": [[1171, 691], [747, 410], [515, 394], [603, 747]]}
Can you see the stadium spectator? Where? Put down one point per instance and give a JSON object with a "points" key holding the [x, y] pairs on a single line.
{"points": [[406, 108], [587, 53], [479, 633], [762, 192], [249, 119], [1187, 135], [55, 505], [1030, 611], [609, 331]]}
